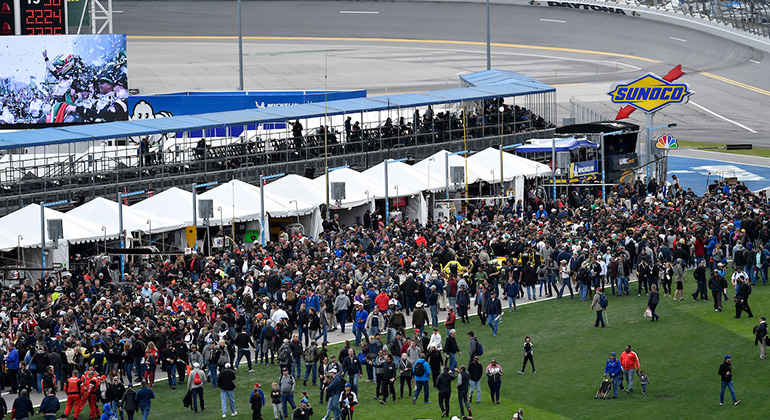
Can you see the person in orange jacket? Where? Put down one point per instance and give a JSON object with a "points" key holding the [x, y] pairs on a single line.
{"points": [[73, 388], [629, 362], [89, 392]]}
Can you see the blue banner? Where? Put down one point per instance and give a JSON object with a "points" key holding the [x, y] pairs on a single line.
{"points": [[581, 169], [144, 107]]}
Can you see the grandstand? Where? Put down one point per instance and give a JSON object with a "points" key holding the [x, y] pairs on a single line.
{"points": [[77, 163]]}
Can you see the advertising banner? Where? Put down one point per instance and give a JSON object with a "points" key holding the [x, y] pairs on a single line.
{"points": [[145, 107], [581, 169], [62, 79]]}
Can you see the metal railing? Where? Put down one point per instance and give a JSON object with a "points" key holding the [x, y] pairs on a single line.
{"points": [[585, 113], [76, 180], [751, 16]]}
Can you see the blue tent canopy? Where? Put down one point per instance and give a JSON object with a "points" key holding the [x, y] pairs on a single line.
{"points": [[562, 145]]}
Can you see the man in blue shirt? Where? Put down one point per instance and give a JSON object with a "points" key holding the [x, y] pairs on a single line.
{"points": [[144, 399], [12, 366], [360, 323]]}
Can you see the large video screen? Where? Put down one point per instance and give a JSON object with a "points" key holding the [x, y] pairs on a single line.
{"points": [[62, 79]]}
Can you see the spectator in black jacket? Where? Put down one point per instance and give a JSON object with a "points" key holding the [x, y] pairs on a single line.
{"points": [[444, 385], [169, 358], [389, 371], [296, 354], [243, 343], [717, 284], [115, 392], [49, 379], [726, 373], [226, 381], [129, 402], [475, 370], [451, 349], [22, 406]]}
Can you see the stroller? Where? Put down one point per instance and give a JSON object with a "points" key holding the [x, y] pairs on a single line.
{"points": [[604, 390]]}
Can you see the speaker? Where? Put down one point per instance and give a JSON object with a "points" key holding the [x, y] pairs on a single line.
{"points": [[206, 208], [309, 172], [55, 229], [457, 174], [563, 160], [338, 191]]}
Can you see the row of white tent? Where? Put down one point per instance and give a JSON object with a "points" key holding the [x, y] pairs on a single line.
{"points": [[239, 201]]}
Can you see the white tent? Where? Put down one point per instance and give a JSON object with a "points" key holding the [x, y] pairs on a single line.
{"points": [[296, 187], [25, 222], [242, 195], [434, 166], [513, 166], [105, 212], [410, 181], [176, 204], [358, 189]]}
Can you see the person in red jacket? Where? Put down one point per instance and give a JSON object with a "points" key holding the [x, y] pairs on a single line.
{"points": [[73, 388], [629, 362], [382, 300]]}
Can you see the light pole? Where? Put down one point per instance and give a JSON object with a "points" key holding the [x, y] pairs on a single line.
{"points": [[387, 204], [446, 168], [221, 219], [296, 206], [396, 188], [240, 47], [42, 228], [262, 179], [104, 230], [121, 232], [195, 200], [427, 185], [502, 120], [604, 159], [149, 223], [649, 141], [492, 172], [489, 50], [18, 249]]}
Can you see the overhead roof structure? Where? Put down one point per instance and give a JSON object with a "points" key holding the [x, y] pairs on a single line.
{"points": [[483, 85]]}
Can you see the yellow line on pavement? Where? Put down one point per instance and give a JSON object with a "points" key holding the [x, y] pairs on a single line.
{"points": [[735, 83], [416, 41]]}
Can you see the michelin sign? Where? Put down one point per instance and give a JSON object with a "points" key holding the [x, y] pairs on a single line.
{"points": [[650, 93]]}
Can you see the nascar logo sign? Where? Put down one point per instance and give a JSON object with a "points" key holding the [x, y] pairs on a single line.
{"points": [[650, 93]]}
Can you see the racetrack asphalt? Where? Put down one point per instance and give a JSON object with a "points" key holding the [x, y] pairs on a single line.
{"points": [[415, 46]]}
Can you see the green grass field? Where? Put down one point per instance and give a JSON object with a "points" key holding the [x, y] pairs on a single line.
{"points": [[756, 151], [681, 354]]}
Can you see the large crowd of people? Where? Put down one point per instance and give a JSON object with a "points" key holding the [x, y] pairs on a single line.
{"points": [[197, 317]]}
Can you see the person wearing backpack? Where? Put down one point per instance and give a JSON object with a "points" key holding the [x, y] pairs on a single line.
{"points": [[310, 354], [476, 349], [195, 381], [596, 305], [421, 373]]}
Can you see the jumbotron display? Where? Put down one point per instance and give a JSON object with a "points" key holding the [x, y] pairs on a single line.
{"points": [[62, 79]]}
